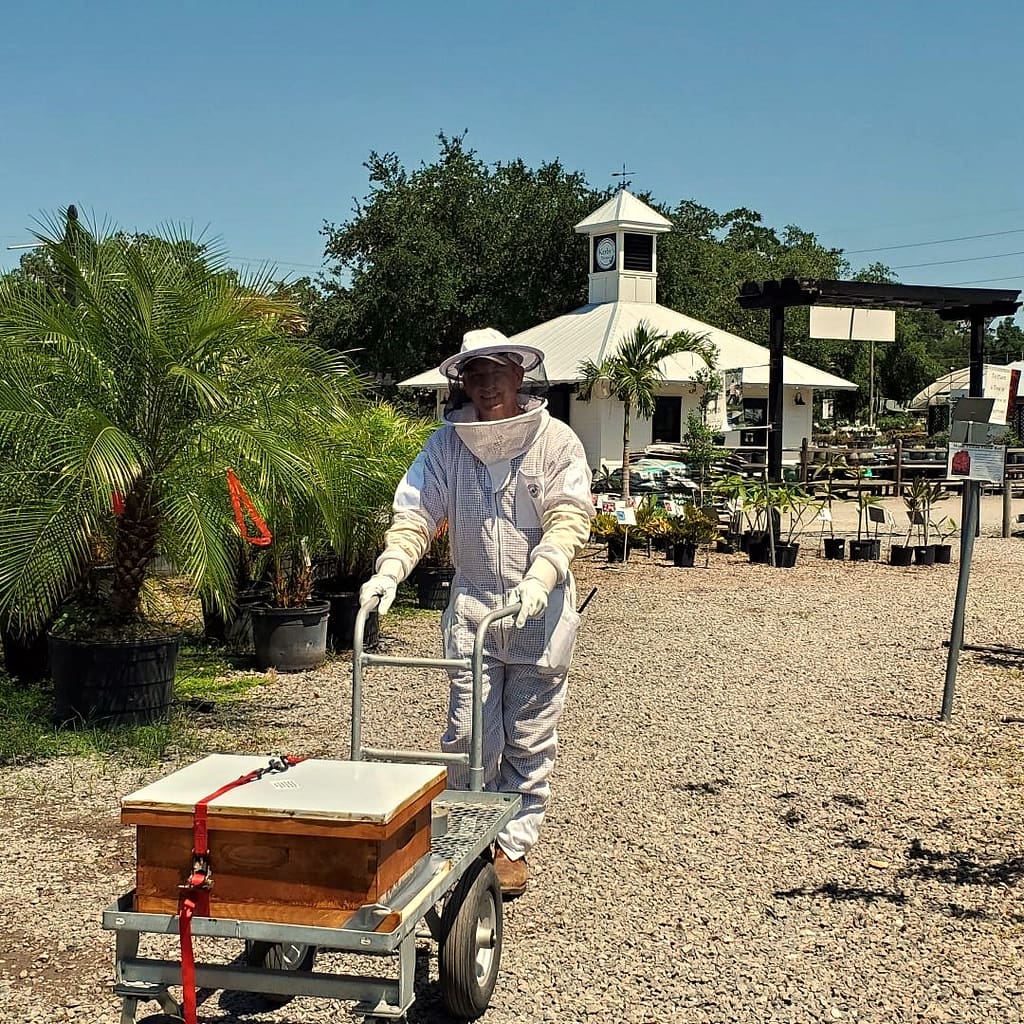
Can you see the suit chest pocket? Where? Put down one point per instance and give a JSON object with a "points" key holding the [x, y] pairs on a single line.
{"points": [[529, 501]]}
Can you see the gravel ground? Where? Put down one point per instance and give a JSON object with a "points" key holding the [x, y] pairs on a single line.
{"points": [[756, 815]]}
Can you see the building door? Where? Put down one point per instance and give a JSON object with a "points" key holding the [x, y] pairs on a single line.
{"points": [[666, 427]]}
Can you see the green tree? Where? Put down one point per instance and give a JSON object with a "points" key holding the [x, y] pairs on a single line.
{"points": [[146, 370], [1006, 343], [633, 373], [455, 244]]}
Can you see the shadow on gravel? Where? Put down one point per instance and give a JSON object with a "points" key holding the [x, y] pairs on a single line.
{"points": [[844, 893], [902, 716], [249, 1007], [713, 787], [960, 867]]}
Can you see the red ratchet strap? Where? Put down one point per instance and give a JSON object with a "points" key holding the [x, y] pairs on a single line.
{"points": [[195, 893], [262, 537]]}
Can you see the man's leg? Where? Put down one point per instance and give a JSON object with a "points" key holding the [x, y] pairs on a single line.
{"points": [[531, 707], [460, 722]]}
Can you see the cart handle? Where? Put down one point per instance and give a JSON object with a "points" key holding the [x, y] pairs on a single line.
{"points": [[475, 665]]}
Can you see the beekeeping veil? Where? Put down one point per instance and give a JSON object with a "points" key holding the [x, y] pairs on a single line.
{"points": [[497, 441]]}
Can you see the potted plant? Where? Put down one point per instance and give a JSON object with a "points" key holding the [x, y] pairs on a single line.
{"points": [[835, 464], [144, 368], [436, 572], [733, 489], [919, 500], [761, 510], [799, 508], [944, 528], [233, 625], [605, 527], [354, 498], [289, 630], [695, 528], [865, 547], [902, 555]]}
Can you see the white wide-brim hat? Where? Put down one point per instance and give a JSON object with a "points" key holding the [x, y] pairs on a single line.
{"points": [[488, 342]]}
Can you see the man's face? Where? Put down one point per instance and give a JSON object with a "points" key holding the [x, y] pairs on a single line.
{"points": [[492, 387]]}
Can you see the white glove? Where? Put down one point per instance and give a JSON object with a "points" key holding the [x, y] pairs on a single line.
{"points": [[533, 596], [383, 584]]}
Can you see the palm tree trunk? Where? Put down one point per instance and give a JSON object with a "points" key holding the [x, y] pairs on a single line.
{"points": [[135, 543], [625, 450]]}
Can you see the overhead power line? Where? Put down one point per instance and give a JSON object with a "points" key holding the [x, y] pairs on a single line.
{"points": [[937, 241], [965, 259], [986, 280]]}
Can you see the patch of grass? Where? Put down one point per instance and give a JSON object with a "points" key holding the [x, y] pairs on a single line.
{"points": [[206, 677], [28, 734], [209, 673]]}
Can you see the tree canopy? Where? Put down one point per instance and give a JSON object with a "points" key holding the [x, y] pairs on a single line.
{"points": [[458, 243]]}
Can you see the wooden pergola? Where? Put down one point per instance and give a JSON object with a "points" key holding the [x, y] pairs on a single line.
{"points": [[974, 305]]}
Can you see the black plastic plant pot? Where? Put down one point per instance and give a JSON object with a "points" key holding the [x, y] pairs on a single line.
{"points": [[617, 550], [865, 550], [725, 547], [235, 631], [744, 541], [341, 625], [434, 587], [290, 639], [129, 682], [785, 555], [683, 554], [758, 549], [924, 554], [835, 548], [901, 555], [943, 554], [26, 657]]}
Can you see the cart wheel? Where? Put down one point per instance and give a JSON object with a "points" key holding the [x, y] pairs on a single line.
{"points": [[470, 948], [279, 956]]}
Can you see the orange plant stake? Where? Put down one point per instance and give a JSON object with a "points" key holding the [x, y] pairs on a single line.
{"points": [[239, 498]]}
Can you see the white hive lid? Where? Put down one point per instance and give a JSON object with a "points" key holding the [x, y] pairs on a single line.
{"points": [[313, 790]]}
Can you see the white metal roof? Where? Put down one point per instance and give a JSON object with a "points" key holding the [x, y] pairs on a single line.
{"points": [[625, 212], [595, 330], [957, 380]]}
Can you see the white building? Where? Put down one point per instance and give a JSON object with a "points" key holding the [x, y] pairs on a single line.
{"points": [[623, 263]]}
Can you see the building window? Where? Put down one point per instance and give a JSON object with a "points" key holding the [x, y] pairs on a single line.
{"points": [[667, 424], [638, 252], [558, 402]]}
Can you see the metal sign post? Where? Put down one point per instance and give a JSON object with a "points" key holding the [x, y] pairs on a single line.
{"points": [[973, 464]]}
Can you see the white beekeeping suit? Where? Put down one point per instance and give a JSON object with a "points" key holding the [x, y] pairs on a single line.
{"points": [[516, 495]]}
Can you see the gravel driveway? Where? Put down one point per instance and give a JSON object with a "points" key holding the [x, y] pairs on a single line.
{"points": [[756, 817]]}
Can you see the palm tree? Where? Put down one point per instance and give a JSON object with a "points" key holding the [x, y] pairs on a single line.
{"points": [[633, 374], [141, 372]]}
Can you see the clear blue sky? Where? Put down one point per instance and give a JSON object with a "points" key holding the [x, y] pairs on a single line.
{"points": [[872, 124]]}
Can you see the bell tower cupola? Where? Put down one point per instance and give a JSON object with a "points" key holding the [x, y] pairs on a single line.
{"points": [[622, 253]]}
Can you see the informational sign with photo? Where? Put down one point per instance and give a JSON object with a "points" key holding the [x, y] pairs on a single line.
{"points": [[626, 516], [982, 462]]}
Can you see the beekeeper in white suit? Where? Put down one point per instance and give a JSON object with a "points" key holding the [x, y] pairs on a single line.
{"points": [[514, 485]]}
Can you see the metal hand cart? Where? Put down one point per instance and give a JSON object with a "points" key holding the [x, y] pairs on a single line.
{"points": [[453, 891]]}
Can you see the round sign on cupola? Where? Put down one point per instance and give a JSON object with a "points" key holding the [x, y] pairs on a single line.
{"points": [[604, 252]]}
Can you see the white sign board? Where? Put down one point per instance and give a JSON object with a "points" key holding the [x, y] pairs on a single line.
{"points": [[998, 383], [983, 462], [848, 324], [626, 516]]}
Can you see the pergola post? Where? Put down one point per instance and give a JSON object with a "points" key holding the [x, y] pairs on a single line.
{"points": [[776, 351]]}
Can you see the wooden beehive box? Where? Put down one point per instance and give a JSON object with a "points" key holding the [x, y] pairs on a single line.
{"points": [[306, 846]]}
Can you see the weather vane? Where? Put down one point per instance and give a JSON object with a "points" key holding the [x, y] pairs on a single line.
{"points": [[624, 181]]}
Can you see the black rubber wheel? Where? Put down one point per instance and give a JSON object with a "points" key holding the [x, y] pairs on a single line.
{"points": [[279, 956], [470, 950]]}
